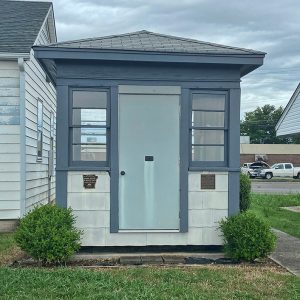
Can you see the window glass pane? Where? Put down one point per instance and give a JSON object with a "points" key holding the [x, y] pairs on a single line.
{"points": [[288, 166], [209, 101], [39, 115], [39, 130], [93, 117], [89, 152], [52, 130], [88, 135], [39, 144], [208, 119], [208, 153], [89, 99], [207, 136]]}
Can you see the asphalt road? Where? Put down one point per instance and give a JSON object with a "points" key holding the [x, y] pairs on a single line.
{"points": [[273, 187]]}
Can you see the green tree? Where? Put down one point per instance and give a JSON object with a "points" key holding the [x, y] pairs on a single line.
{"points": [[260, 126]]}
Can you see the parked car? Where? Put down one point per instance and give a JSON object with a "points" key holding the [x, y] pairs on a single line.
{"points": [[245, 168], [253, 169], [281, 170]]}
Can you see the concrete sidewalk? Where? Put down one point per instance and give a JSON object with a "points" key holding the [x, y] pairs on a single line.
{"points": [[287, 252]]}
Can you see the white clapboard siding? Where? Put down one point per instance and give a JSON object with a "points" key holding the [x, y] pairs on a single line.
{"points": [[11, 82], [9, 214], [291, 121], [38, 88], [13, 205], [9, 140]]}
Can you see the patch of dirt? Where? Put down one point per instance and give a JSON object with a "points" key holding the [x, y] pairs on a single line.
{"points": [[98, 264], [10, 257]]}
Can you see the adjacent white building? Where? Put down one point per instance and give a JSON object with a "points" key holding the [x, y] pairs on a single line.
{"points": [[289, 123], [27, 109]]}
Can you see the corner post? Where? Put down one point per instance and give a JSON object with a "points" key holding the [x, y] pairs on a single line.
{"points": [[234, 152], [62, 145]]}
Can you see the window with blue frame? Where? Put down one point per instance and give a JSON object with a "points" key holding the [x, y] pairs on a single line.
{"points": [[208, 128], [89, 127]]}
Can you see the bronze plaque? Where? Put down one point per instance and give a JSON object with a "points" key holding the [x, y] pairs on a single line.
{"points": [[208, 181], [89, 181]]}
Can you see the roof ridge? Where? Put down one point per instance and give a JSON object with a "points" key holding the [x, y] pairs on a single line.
{"points": [[195, 41], [203, 42], [99, 37]]}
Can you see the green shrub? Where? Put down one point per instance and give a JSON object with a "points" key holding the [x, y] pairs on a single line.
{"points": [[245, 190], [247, 237], [48, 234]]}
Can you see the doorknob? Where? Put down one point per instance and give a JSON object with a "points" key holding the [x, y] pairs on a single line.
{"points": [[122, 172]]}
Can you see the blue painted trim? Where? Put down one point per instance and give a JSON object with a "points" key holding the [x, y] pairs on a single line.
{"points": [[89, 164], [114, 162], [234, 152], [62, 137], [184, 160], [233, 193], [200, 84], [246, 61], [205, 164]]}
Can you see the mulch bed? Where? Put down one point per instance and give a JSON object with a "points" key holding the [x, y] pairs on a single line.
{"points": [[116, 263]]}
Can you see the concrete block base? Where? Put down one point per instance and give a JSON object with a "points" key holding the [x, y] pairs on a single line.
{"points": [[8, 225]]}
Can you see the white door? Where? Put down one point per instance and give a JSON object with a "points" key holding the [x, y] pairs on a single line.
{"points": [[148, 162]]}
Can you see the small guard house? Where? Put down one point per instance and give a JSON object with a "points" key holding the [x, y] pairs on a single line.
{"points": [[148, 136]]}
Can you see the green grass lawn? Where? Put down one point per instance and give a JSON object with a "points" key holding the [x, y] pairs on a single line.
{"points": [[235, 282], [258, 281], [269, 208]]}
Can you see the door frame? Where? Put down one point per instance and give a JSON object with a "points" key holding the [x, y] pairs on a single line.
{"points": [[183, 151]]}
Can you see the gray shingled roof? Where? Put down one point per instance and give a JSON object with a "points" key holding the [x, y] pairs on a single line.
{"points": [[150, 41], [20, 23]]}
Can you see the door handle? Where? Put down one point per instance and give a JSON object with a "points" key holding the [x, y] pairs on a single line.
{"points": [[122, 172]]}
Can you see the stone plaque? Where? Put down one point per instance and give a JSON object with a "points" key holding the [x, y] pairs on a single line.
{"points": [[89, 181], [208, 181]]}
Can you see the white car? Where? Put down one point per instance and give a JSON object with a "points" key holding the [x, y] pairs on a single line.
{"points": [[252, 170], [281, 170]]}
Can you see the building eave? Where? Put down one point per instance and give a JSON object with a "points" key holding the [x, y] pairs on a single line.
{"points": [[13, 56], [135, 55], [246, 62]]}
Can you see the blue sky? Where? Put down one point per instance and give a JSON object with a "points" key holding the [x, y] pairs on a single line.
{"points": [[269, 26]]}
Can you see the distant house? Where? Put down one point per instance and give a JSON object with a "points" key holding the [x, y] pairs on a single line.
{"points": [[289, 123], [148, 136], [27, 109]]}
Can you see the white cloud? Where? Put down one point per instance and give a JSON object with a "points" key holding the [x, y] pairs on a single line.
{"points": [[270, 26]]}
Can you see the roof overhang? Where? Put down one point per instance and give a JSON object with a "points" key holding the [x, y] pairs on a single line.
{"points": [[13, 56], [46, 54]]}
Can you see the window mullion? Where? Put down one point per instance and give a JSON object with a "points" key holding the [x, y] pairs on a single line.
{"points": [[208, 109], [89, 139]]}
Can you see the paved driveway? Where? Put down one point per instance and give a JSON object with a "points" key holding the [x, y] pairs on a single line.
{"points": [[275, 187], [287, 252]]}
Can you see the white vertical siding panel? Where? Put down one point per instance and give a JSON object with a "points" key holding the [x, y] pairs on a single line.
{"points": [[9, 140]]}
